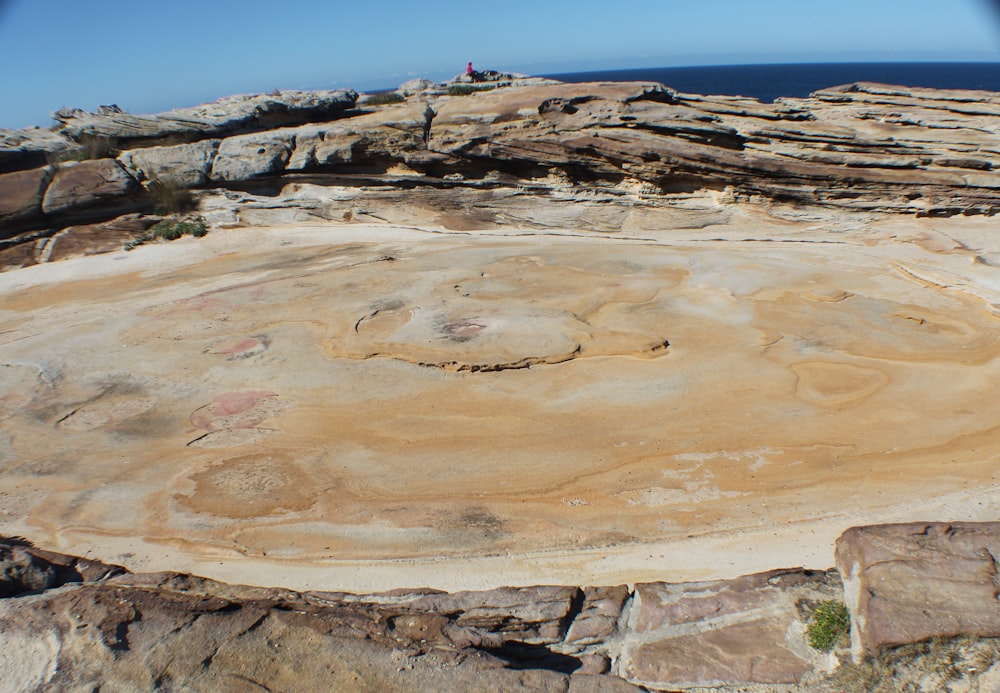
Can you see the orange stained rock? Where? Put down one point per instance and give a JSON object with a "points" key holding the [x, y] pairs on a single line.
{"points": [[403, 397]]}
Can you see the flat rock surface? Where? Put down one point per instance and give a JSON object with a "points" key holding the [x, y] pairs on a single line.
{"points": [[352, 406]]}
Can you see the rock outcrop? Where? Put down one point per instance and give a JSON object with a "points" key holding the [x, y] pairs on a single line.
{"points": [[179, 165], [69, 622], [728, 632], [610, 332], [232, 115], [857, 147], [83, 623], [78, 185], [912, 582]]}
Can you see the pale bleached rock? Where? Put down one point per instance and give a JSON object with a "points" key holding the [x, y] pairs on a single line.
{"points": [[231, 115], [415, 86], [32, 148], [244, 157], [182, 165]]}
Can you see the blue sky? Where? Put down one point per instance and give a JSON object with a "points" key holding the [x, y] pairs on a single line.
{"points": [[152, 56]]}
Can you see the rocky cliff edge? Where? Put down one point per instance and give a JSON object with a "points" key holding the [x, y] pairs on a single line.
{"points": [[922, 600]]}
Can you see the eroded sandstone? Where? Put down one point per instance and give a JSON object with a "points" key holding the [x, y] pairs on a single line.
{"points": [[604, 334], [349, 387], [916, 581], [858, 147]]}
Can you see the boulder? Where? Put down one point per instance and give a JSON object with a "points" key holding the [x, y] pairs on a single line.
{"points": [[322, 145], [728, 632], [251, 156], [599, 615], [182, 165], [86, 183], [21, 194], [415, 86], [905, 583]]}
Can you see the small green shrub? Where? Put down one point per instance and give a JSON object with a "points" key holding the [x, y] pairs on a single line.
{"points": [[829, 625], [466, 89], [191, 227], [166, 229], [172, 229], [384, 98]]}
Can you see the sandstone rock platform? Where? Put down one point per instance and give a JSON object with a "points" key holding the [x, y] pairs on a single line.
{"points": [[345, 406], [600, 334]]}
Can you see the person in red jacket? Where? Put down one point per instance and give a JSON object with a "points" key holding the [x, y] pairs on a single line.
{"points": [[468, 69]]}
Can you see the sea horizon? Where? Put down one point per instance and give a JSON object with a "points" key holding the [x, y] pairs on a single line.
{"points": [[768, 81]]}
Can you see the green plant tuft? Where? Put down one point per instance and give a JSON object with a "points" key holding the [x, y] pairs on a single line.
{"points": [[466, 89], [829, 625], [171, 230], [384, 98], [166, 229], [191, 227]]}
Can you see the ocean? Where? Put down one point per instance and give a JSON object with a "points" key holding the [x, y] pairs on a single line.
{"points": [[768, 82]]}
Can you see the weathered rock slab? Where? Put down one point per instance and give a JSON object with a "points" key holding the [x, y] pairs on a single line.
{"points": [[242, 113], [527, 614], [182, 165], [747, 630], [31, 148], [909, 582], [243, 157], [121, 631], [86, 183], [21, 193], [599, 615]]}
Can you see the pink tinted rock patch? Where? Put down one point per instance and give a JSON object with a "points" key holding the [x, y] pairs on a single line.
{"points": [[245, 345], [235, 410]]}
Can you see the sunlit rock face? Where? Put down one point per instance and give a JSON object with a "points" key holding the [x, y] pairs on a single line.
{"points": [[355, 406]]}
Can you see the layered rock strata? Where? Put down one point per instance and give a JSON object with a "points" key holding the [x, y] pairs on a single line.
{"points": [[862, 147], [68, 622]]}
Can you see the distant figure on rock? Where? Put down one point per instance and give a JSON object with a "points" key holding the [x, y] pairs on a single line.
{"points": [[473, 74]]}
